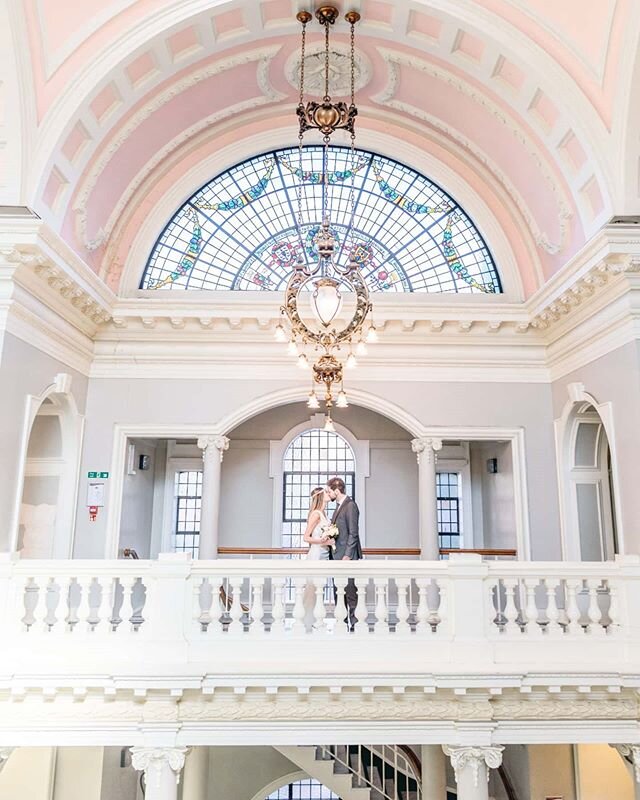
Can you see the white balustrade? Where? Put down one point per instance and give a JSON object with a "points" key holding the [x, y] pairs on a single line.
{"points": [[493, 612]]}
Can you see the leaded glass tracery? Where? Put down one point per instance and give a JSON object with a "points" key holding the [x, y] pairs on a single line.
{"points": [[239, 231]]}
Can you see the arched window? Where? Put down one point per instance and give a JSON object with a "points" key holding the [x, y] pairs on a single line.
{"points": [[239, 230], [305, 789], [310, 460]]}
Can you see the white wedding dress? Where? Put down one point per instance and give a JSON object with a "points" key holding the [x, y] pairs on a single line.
{"points": [[316, 552]]}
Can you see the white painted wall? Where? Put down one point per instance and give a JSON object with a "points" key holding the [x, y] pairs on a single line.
{"points": [[239, 773]]}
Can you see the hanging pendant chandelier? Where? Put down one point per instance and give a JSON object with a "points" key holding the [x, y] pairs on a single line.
{"points": [[318, 282]]}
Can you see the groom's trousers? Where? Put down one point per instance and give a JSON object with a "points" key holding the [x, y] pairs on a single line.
{"points": [[350, 600]]}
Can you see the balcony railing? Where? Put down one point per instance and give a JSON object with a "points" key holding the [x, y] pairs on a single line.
{"points": [[234, 617]]}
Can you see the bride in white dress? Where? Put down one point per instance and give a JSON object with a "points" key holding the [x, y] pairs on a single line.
{"points": [[317, 522]]}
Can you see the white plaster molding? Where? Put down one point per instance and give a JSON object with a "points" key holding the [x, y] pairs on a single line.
{"points": [[630, 753], [209, 444], [152, 761], [474, 757], [427, 448], [395, 59], [340, 75], [198, 75], [5, 753]]}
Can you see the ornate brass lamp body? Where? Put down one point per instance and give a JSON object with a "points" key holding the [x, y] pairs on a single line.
{"points": [[325, 275]]}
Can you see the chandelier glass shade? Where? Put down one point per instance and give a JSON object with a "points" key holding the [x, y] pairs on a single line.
{"points": [[320, 283]]}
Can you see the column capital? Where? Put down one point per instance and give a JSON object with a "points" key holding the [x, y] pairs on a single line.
{"points": [[154, 759], [5, 752], [631, 753], [474, 757], [208, 444], [427, 447]]}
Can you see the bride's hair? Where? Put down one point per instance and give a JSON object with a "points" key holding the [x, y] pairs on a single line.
{"points": [[317, 498]]}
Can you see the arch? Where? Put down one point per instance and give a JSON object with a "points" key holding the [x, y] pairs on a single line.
{"points": [[447, 164], [587, 478], [278, 449], [58, 401], [239, 230], [276, 784]]}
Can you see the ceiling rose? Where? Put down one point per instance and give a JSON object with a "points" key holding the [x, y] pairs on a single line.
{"points": [[339, 70]]}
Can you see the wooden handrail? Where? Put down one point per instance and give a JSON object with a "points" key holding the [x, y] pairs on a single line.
{"points": [[368, 551]]}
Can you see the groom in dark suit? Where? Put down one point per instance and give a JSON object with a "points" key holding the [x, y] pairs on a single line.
{"points": [[346, 517]]}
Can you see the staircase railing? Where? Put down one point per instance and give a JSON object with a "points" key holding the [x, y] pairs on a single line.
{"points": [[384, 769]]}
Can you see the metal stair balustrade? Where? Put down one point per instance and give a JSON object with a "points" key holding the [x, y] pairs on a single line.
{"points": [[359, 772]]}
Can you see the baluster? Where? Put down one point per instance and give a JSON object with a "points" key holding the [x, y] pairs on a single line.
{"points": [[402, 612], [573, 612], [257, 607], [594, 613], [298, 611], [381, 610], [235, 626], [40, 611], [554, 628], [614, 609], [441, 615], [62, 611], [198, 616], [319, 611], [84, 607], [422, 612], [531, 608], [105, 606], [362, 626], [277, 609], [510, 608], [126, 609], [340, 611]]}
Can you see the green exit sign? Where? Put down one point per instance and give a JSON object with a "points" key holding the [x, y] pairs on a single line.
{"points": [[97, 474]]}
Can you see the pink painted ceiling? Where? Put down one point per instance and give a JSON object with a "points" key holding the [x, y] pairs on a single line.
{"points": [[519, 98]]}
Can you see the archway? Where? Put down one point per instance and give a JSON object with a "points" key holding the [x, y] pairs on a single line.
{"points": [[46, 497], [587, 485]]}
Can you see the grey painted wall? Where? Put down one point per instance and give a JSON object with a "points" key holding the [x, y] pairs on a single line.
{"points": [[24, 370], [172, 402], [615, 379]]}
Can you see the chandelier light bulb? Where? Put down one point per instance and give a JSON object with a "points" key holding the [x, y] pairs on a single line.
{"points": [[372, 335], [352, 361], [328, 425], [341, 401], [280, 334], [326, 301], [361, 348], [313, 401], [302, 361], [292, 349]]}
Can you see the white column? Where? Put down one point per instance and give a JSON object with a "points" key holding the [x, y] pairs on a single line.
{"points": [[161, 767], [471, 766], [195, 784], [434, 772], [425, 450], [213, 448], [630, 754], [5, 752]]}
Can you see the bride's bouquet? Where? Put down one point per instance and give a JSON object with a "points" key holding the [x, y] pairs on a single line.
{"points": [[331, 532]]}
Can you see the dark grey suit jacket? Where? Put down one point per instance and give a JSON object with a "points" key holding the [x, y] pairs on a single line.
{"points": [[346, 517]]}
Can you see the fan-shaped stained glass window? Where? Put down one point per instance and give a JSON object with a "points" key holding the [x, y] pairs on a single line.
{"points": [[240, 231]]}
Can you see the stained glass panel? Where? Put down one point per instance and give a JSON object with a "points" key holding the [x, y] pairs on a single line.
{"points": [[239, 231]]}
